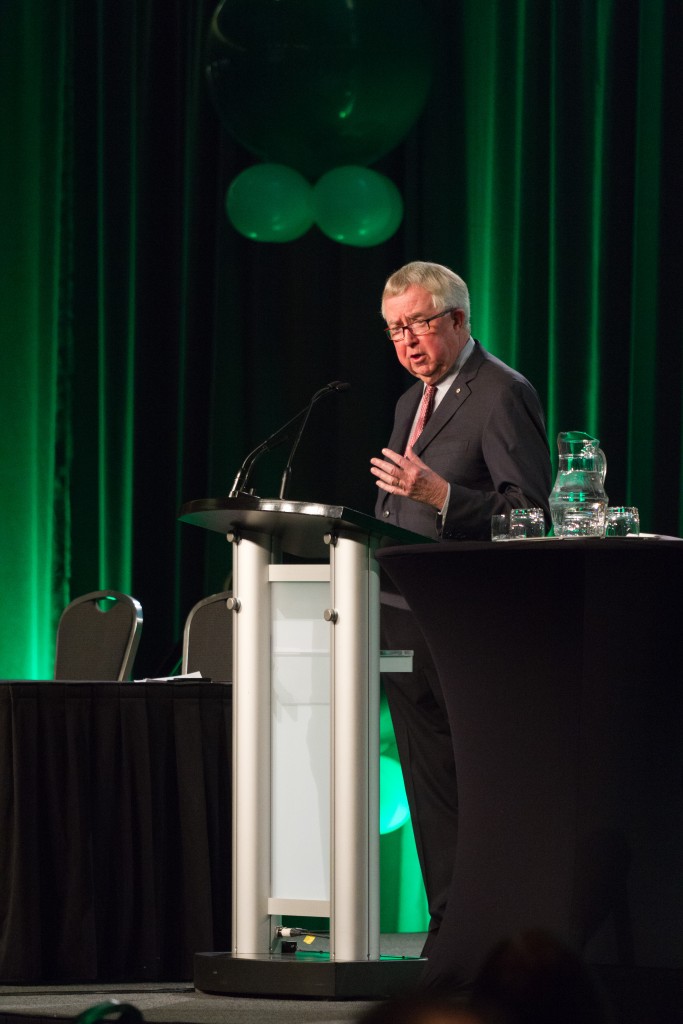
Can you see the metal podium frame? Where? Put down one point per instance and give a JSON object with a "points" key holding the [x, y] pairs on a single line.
{"points": [[341, 543]]}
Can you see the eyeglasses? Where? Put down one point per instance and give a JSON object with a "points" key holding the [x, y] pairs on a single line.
{"points": [[416, 328]]}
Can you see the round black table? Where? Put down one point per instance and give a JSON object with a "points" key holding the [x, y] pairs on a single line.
{"points": [[561, 665]]}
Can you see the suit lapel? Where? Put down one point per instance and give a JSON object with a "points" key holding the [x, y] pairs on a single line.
{"points": [[404, 421], [458, 392]]}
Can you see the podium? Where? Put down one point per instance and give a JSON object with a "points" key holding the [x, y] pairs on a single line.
{"points": [[306, 664]]}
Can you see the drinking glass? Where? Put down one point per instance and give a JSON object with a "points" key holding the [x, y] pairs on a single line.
{"points": [[526, 522], [499, 527], [622, 521]]}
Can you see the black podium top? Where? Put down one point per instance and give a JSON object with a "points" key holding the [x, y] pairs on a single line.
{"points": [[299, 526]]}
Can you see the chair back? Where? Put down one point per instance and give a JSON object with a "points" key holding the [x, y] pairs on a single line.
{"points": [[98, 636], [207, 639]]}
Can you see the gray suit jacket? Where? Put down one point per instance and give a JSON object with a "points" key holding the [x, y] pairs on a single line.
{"points": [[487, 439]]}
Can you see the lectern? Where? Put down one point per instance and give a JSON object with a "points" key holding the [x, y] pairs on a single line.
{"points": [[306, 747]]}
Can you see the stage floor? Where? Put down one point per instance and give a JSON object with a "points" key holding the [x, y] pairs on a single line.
{"points": [[170, 1004], [637, 997], [179, 1003]]}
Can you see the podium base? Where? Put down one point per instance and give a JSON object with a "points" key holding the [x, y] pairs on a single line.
{"points": [[306, 975]]}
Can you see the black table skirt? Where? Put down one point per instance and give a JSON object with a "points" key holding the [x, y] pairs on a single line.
{"points": [[115, 829], [561, 667]]}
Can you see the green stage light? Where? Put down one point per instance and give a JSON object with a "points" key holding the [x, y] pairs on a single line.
{"points": [[393, 802]]}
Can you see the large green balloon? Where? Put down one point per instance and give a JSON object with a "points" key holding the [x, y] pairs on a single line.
{"points": [[357, 206], [318, 83], [270, 203]]}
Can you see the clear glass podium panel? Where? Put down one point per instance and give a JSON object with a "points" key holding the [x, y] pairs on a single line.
{"points": [[300, 739]]}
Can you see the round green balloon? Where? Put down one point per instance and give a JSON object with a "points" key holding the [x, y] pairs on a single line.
{"points": [[314, 84], [270, 203], [393, 802], [357, 206]]}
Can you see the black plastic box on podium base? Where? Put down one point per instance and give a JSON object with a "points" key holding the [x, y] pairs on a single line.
{"points": [[306, 975]]}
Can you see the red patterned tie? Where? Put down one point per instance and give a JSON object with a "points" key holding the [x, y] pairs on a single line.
{"points": [[426, 407]]}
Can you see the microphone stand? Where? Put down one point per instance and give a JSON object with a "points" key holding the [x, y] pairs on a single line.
{"points": [[239, 485], [287, 472], [278, 437], [336, 385]]}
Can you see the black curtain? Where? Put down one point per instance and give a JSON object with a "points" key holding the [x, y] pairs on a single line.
{"points": [[148, 346]]}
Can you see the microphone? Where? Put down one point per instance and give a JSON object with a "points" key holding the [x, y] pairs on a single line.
{"points": [[335, 385], [239, 485], [278, 436]]}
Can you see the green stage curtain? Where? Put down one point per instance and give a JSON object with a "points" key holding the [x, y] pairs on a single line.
{"points": [[146, 347]]}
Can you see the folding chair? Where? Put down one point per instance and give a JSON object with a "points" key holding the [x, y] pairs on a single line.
{"points": [[98, 636], [207, 639]]}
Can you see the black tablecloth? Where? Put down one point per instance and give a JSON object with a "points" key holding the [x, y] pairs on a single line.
{"points": [[561, 668], [115, 824]]}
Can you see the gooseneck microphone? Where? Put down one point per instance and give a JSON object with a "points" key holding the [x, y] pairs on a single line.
{"points": [[239, 485], [335, 385], [278, 437]]}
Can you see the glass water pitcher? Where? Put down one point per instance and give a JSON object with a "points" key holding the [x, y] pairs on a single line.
{"points": [[578, 502]]}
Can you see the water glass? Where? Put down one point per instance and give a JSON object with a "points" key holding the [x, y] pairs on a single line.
{"points": [[526, 522], [500, 527], [622, 521]]}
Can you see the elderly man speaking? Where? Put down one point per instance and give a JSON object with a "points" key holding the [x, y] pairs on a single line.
{"points": [[468, 442]]}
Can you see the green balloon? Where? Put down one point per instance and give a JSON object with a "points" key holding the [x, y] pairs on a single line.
{"points": [[270, 203], [314, 84], [393, 802], [357, 206]]}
